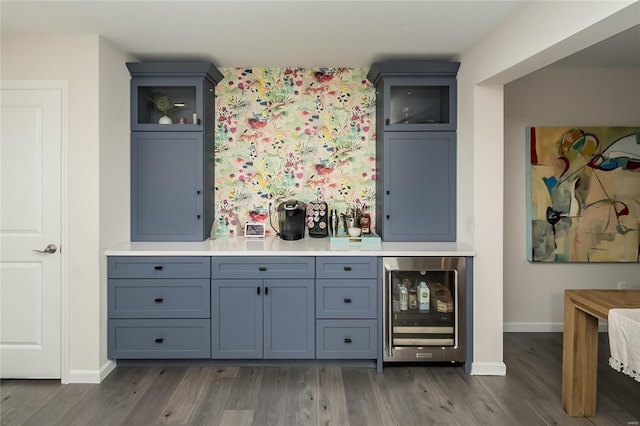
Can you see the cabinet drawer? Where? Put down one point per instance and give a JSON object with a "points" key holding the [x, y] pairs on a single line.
{"points": [[346, 299], [347, 267], [263, 267], [155, 298], [158, 267], [346, 339], [157, 338]]}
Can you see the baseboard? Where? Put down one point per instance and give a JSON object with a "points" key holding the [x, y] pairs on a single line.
{"points": [[92, 376], [488, 369], [542, 327], [107, 368]]}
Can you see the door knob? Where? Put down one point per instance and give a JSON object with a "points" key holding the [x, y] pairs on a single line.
{"points": [[50, 249]]}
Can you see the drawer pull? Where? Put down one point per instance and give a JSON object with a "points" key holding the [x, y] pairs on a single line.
{"points": [[158, 268], [158, 300], [347, 300], [262, 268], [347, 340], [258, 290], [347, 268], [159, 340], [266, 291]]}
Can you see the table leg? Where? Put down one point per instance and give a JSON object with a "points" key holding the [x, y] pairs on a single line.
{"points": [[579, 361]]}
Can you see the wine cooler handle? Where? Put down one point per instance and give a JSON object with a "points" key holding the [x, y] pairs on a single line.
{"points": [[455, 306], [389, 319]]}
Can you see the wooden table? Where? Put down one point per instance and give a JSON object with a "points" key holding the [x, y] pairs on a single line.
{"points": [[582, 309]]}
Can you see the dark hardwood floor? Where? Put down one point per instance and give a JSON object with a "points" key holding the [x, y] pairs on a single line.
{"points": [[328, 395]]}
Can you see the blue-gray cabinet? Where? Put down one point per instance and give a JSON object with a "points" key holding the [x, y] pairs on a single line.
{"points": [[244, 307], [416, 123], [237, 318], [158, 307], [169, 201], [347, 308], [172, 150], [262, 307], [419, 186]]}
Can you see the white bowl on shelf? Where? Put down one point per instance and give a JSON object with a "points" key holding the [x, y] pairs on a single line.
{"points": [[354, 232]]}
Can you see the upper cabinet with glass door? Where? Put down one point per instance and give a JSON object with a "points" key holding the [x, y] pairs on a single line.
{"points": [[416, 95], [168, 96]]}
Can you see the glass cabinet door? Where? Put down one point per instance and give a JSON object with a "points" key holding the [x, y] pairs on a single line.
{"points": [[423, 308], [166, 104], [419, 104]]}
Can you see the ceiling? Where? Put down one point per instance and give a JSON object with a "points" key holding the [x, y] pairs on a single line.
{"points": [[621, 50], [304, 33]]}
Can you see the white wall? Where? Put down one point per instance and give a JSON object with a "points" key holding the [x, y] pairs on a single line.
{"points": [[539, 33], [114, 174], [533, 292], [77, 59]]}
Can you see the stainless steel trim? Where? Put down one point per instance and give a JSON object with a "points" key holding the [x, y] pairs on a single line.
{"points": [[416, 329], [389, 293], [423, 342], [455, 307]]}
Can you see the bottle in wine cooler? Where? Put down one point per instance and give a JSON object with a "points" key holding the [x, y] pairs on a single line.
{"points": [[424, 297], [404, 297]]}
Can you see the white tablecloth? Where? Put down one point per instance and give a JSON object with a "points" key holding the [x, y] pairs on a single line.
{"points": [[624, 341]]}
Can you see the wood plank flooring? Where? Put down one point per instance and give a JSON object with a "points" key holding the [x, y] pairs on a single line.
{"points": [[328, 395]]}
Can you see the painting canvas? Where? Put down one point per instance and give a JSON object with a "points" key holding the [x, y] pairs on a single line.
{"points": [[583, 194]]}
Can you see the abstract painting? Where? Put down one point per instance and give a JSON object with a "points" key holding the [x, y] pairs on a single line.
{"points": [[583, 194]]}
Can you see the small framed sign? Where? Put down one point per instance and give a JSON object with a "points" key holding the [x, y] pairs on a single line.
{"points": [[254, 230]]}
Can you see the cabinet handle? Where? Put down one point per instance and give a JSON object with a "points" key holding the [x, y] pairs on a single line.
{"points": [[158, 268], [347, 339], [262, 268], [198, 192], [387, 121], [347, 300], [388, 192], [266, 291], [347, 268], [387, 217], [159, 340], [159, 300], [258, 290], [197, 216]]}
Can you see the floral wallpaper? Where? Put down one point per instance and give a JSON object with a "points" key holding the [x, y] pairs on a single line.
{"points": [[292, 133]]}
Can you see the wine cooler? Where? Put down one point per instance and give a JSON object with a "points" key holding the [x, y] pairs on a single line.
{"points": [[424, 315]]}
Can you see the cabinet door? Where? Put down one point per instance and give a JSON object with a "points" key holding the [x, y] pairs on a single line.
{"points": [[419, 104], [419, 187], [185, 97], [289, 319], [166, 186], [236, 319]]}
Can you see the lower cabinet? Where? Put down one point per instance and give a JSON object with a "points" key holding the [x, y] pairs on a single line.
{"points": [[346, 308], [262, 307], [271, 318], [346, 339], [159, 338], [158, 307], [242, 307]]}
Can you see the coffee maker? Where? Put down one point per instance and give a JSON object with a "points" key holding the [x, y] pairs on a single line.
{"points": [[291, 219]]}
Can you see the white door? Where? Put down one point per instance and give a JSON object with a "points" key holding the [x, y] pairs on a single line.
{"points": [[30, 220]]}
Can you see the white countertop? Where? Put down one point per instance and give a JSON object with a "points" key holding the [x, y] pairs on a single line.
{"points": [[274, 246]]}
